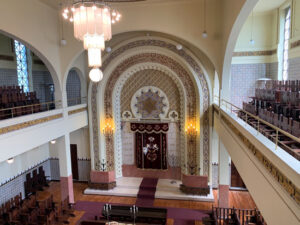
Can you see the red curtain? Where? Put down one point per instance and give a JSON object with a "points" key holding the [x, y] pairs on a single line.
{"points": [[151, 150]]}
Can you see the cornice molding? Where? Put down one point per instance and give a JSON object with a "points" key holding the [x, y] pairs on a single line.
{"points": [[255, 53]]}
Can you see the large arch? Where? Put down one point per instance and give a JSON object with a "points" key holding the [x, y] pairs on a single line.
{"points": [[155, 44], [116, 96], [230, 45], [48, 64], [18, 20]]}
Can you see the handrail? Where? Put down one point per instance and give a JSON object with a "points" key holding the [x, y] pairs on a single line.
{"points": [[76, 101], [248, 115], [31, 109]]}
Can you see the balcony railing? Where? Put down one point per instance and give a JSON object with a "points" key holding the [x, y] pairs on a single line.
{"points": [[278, 136], [13, 112]]}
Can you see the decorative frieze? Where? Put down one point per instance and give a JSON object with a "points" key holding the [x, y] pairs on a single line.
{"points": [[255, 53], [71, 112], [30, 123]]}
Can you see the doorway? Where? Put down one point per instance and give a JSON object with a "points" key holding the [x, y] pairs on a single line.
{"points": [[236, 179], [74, 161]]}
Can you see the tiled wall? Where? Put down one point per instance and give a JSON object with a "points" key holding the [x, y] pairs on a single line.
{"points": [[127, 144], [8, 77], [272, 71], [73, 88], [243, 77], [51, 166], [84, 168], [16, 184], [41, 82], [294, 69]]}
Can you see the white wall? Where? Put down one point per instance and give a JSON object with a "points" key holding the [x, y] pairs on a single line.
{"points": [[264, 32], [23, 162], [82, 140]]}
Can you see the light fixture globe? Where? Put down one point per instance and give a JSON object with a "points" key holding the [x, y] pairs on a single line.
{"points": [[10, 160], [96, 75]]}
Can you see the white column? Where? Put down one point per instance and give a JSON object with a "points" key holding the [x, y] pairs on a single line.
{"points": [[64, 154], [65, 168], [224, 176]]}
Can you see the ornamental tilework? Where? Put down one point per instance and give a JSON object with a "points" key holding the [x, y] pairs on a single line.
{"points": [[150, 77], [154, 58], [173, 65]]}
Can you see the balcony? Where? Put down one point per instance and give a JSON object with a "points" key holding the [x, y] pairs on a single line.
{"points": [[22, 133], [271, 174]]}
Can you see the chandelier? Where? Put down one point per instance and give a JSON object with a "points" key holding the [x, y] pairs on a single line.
{"points": [[92, 25]]}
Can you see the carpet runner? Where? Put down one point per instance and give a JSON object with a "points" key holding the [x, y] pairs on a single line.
{"points": [[146, 194]]}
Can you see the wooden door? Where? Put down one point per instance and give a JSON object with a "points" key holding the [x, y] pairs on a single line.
{"points": [[236, 180], [74, 161]]}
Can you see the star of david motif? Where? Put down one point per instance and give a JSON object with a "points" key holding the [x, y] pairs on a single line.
{"points": [[150, 104]]}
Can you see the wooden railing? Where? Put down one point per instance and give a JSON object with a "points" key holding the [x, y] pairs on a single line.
{"points": [[13, 112], [229, 107], [237, 216]]}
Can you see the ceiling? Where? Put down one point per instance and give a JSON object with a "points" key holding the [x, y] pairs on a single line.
{"points": [[268, 5]]}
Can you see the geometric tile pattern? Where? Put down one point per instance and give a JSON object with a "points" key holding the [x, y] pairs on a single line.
{"points": [[150, 77]]}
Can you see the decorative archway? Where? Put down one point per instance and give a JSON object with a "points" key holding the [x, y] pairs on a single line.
{"points": [[117, 111], [152, 58]]}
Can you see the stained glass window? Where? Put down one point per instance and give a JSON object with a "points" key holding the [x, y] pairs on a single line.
{"points": [[22, 69], [287, 31]]}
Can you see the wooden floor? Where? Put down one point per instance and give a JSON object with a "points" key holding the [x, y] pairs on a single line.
{"points": [[237, 199]]}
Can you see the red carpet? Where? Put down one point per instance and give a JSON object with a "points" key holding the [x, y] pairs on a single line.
{"points": [[146, 194]]}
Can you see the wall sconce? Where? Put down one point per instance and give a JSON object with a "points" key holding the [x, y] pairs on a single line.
{"points": [[108, 128], [191, 130], [10, 160], [53, 142]]}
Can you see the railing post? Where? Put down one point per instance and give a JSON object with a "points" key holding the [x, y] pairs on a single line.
{"points": [[258, 127], [246, 117], [47, 106], [276, 141], [32, 109], [12, 113]]}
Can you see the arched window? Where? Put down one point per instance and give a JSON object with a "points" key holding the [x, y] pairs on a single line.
{"points": [[73, 88], [22, 68], [284, 37]]}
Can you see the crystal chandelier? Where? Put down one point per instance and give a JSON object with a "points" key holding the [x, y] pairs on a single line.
{"points": [[92, 24]]}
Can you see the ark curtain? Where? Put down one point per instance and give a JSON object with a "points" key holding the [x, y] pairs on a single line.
{"points": [[151, 150]]}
